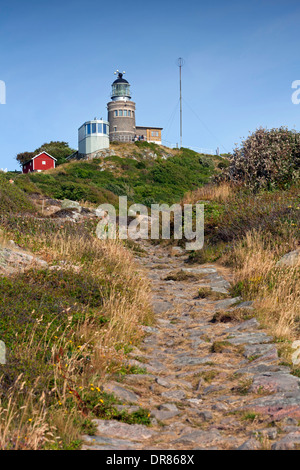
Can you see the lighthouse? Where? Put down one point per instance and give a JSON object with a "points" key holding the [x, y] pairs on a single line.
{"points": [[121, 111]]}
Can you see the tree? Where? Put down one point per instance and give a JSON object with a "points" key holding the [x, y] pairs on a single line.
{"points": [[58, 150]]}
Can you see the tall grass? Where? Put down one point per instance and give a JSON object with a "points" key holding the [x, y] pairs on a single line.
{"points": [[66, 329]]}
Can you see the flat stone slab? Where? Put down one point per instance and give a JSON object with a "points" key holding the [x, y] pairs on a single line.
{"points": [[199, 270], [116, 429], [223, 304], [120, 392], [249, 338], [246, 325], [161, 306], [277, 406], [199, 438], [107, 443], [188, 360], [289, 442], [274, 382], [174, 394], [163, 415], [258, 350]]}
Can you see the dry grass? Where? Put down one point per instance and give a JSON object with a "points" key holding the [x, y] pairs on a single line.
{"points": [[209, 192], [54, 419], [276, 290]]}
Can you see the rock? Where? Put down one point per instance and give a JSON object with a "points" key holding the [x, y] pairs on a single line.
{"points": [[161, 306], [289, 442], [213, 388], [150, 329], [2, 353], [168, 407], [199, 438], [277, 406], [258, 350], [223, 304], [68, 204], [120, 392], [163, 415], [246, 325], [163, 382], [249, 338], [174, 394], [274, 382], [107, 443], [219, 407], [290, 259], [13, 261], [205, 415], [185, 360], [116, 429], [250, 444]]}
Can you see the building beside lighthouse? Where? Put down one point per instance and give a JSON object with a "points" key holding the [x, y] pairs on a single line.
{"points": [[95, 135]]}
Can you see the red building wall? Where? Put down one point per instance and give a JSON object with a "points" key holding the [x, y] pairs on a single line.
{"points": [[36, 164]]}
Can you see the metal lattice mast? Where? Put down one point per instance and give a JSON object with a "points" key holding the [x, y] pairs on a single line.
{"points": [[180, 63]]}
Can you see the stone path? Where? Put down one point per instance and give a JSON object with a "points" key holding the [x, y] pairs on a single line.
{"points": [[213, 381]]}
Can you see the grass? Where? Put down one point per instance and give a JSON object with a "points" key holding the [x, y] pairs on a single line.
{"points": [[249, 232], [65, 328], [143, 179]]}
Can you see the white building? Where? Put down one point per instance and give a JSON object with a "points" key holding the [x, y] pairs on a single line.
{"points": [[93, 136]]}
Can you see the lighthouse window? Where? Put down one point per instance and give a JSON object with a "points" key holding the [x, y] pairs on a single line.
{"points": [[120, 112], [104, 129], [94, 128], [100, 128], [116, 113], [88, 129], [125, 112], [129, 113]]}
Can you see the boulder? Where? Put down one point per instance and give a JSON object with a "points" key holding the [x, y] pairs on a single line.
{"points": [[290, 259]]}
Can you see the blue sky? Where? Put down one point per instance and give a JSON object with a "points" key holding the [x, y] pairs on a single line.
{"points": [[57, 60]]}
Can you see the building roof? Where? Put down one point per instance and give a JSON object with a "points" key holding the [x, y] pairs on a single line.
{"points": [[149, 127], [38, 156]]}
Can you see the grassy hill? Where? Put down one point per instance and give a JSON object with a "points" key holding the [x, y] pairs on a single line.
{"points": [[145, 173]]}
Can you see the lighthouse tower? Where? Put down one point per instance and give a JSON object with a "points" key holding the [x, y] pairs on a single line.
{"points": [[121, 111]]}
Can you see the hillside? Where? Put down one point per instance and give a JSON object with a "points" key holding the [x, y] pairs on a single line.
{"points": [[121, 345], [145, 173]]}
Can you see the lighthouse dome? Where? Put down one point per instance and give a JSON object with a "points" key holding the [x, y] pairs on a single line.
{"points": [[120, 89]]}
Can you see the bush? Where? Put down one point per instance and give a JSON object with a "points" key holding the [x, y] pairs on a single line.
{"points": [[267, 159]]}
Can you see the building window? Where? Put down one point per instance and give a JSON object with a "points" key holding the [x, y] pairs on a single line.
{"points": [[87, 129], [104, 129], [115, 129], [120, 112], [93, 128], [43, 162], [99, 128], [129, 113]]}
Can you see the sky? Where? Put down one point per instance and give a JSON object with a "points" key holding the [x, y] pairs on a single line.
{"points": [[58, 58]]}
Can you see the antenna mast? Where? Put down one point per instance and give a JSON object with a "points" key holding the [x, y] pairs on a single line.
{"points": [[180, 63]]}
